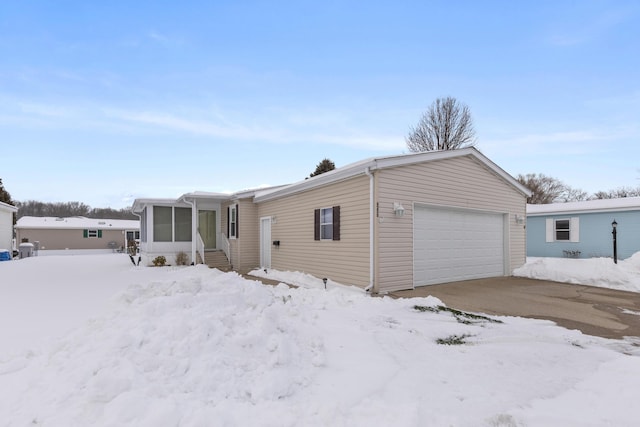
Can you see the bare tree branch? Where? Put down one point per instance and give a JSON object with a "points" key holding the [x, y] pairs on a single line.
{"points": [[446, 125]]}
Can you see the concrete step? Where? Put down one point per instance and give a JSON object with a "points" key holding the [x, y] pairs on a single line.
{"points": [[217, 259]]}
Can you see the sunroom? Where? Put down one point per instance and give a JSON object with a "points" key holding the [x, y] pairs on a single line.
{"points": [[189, 224]]}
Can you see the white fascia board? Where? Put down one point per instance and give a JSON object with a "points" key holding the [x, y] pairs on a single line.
{"points": [[75, 223], [326, 178], [140, 204], [8, 207], [586, 206]]}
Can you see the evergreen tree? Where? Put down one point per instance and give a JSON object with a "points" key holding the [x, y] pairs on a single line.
{"points": [[325, 165], [5, 197]]}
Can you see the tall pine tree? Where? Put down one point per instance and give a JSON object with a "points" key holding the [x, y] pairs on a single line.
{"points": [[325, 165], [5, 197]]}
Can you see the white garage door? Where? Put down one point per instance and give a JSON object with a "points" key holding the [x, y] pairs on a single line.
{"points": [[451, 245]]}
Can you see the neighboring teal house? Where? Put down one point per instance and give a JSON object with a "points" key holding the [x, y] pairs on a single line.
{"points": [[584, 229]]}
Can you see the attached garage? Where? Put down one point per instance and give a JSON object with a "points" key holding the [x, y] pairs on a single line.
{"points": [[452, 244]]}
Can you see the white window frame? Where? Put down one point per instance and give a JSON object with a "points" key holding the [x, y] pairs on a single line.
{"points": [[566, 230], [233, 221], [574, 230], [92, 233], [326, 225]]}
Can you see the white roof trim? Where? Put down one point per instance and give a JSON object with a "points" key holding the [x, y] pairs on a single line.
{"points": [[8, 207], [140, 204], [587, 206], [372, 164], [76, 222]]}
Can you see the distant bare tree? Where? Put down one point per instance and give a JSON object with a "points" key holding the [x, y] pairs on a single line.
{"points": [[617, 193], [546, 189], [573, 195], [446, 125]]}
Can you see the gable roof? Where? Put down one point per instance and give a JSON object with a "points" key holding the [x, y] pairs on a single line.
{"points": [[586, 206], [7, 207], [76, 222], [368, 165]]}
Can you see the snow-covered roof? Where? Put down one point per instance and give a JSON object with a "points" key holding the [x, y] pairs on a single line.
{"points": [[77, 222], [376, 163], [7, 207], [600, 205]]}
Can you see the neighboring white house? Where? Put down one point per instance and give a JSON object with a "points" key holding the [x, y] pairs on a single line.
{"points": [[6, 226], [78, 232]]}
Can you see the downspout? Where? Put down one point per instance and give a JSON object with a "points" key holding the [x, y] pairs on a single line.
{"points": [[194, 230], [369, 287]]}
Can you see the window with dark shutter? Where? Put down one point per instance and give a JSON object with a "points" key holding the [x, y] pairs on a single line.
{"points": [[232, 221], [326, 223]]}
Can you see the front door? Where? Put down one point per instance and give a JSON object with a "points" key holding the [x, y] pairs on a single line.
{"points": [[207, 228], [265, 242]]}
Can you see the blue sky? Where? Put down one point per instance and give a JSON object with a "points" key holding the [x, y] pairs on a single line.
{"points": [[103, 102]]}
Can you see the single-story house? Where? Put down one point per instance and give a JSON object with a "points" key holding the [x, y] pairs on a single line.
{"points": [[584, 229], [6, 227], [53, 233], [383, 224]]}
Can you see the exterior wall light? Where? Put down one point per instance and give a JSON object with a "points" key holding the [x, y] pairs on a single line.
{"points": [[398, 209], [519, 219]]}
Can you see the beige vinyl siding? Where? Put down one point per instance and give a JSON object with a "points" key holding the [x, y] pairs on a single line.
{"points": [[345, 261], [70, 238], [461, 182], [245, 254]]}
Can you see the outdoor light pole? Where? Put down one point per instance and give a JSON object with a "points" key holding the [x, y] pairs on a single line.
{"points": [[614, 224]]}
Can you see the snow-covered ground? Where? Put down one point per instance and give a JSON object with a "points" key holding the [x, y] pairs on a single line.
{"points": [[93, 340], [602, 272]]}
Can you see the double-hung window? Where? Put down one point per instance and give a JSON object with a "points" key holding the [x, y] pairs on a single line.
{"points": [[563, 230], [327, 223], [92, 234], [233, 221]]}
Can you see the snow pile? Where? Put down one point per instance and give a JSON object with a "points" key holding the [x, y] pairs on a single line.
{"points": [[192, 346], [602, 272], [302, 280]]}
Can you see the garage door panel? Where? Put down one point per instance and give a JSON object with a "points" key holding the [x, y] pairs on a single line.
{"points": [[452, 245]]}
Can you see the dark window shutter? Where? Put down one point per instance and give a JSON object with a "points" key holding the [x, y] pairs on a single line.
{"points": [[316, 224], [237, 220], [99, 234], [85, 233], [336, 223], [228, 221]]}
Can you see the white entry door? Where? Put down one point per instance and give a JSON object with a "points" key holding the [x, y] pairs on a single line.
{"points": [[456, 244], [265, 242]]}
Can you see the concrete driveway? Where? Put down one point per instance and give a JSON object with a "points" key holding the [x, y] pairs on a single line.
{"points": [[595, 311]]}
